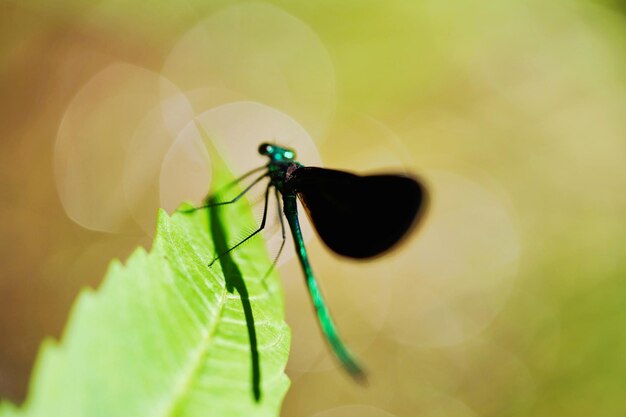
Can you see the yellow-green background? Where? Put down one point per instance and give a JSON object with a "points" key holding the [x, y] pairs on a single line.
{"points": [[513, 111]]}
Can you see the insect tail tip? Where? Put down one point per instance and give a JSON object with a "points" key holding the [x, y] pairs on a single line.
{"points": [[360, 377]]}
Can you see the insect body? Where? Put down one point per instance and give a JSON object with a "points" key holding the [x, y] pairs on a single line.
{"points": [[356, 216]]}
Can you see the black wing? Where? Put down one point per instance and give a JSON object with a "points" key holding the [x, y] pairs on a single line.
{"points": [[358, 216]]}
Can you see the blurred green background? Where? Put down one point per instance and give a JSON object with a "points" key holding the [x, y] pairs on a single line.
{"points": [[509, 300]]}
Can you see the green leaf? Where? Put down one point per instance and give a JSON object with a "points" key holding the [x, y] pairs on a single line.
{"points": [[167, 336], [7, 409]]}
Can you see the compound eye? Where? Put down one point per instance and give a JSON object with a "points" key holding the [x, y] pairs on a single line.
{"points": [[265, 149]]}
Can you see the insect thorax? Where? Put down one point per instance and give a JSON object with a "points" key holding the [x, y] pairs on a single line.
{"points": [[281, 172]]}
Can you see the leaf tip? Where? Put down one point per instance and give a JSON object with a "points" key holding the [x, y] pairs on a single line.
{"points": [[162, 215]]}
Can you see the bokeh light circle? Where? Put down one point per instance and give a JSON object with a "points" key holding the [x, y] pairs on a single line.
{"points": [[354, 410], [258, 52], [236, 130], [101, 166], [459, 269]]}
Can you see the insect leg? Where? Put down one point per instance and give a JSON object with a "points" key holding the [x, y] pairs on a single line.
{"points": [[246, 175], [267, 193], [282, 229], [205, 206], [282, 226]]}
